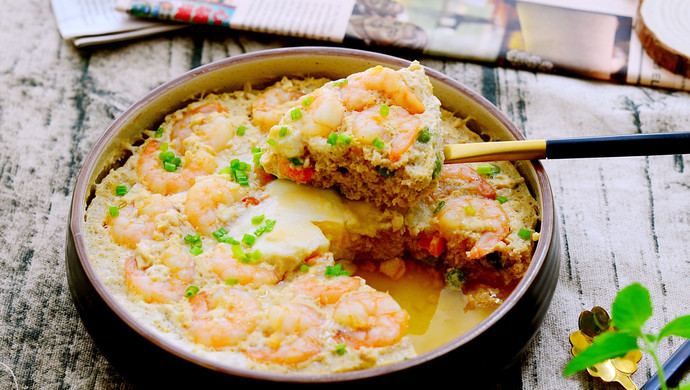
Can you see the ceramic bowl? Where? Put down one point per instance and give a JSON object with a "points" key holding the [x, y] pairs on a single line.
{"points": [[480, 354]]}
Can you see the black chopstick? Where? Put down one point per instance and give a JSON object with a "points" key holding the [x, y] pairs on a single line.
{"points": [[619, 145], [673, 369]]}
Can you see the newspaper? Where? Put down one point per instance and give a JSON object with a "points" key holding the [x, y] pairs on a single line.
{"points": [[585, 38], [93, 22]]}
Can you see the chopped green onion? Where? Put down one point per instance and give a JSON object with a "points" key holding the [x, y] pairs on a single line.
{"points": [[454, 279], [336, 270], [524, 233], [256, 255], [437, 168], [159, 132], [228, 240], [113, 211], [170, 167], [163, 147], [424, 135], [271, 142], [248, 239], [283, 131], [241, 130], [385, 172], [439, 206], [332, 138], [501, 199], [377, 142], [231, 282], [238, 252], [193, 239], [257, 219], [340, 83], [344, 138], [257, 157], [220, 233], [191, 291], [121, 190], [488, 169], [304, 267], [295, 114], [295, 161], [196, 250], [270, 223], [340, 349], [469, 210], [307, 100], [384, 110]]}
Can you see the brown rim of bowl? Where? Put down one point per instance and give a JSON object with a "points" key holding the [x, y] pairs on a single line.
{"points": [[81, 185]]}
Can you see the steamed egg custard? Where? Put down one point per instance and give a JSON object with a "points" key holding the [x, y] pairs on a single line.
{"points": [[204, 246]]}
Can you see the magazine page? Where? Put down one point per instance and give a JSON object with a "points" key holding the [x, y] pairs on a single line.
{"points": [[584, 38]]}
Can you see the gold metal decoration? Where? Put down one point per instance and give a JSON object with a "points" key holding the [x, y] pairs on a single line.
{"points": [[593, 323]]}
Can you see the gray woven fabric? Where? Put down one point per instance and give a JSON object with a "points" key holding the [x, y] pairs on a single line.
{"points": [[621, 220]]}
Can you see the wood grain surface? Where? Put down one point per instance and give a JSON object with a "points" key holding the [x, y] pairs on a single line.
{"points": [[621, 220]]}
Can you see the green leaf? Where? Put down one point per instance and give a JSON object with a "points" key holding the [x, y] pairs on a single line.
{"points": [[631, 308], [608, 345], [678, 327]]}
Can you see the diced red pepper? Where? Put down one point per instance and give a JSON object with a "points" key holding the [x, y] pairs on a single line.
{"points": [[433, 243]]}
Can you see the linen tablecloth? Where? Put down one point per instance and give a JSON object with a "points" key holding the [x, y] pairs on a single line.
{"points": [[621, 220]]}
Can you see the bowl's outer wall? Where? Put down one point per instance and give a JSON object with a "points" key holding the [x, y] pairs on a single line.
{"points": [[139, 356]]}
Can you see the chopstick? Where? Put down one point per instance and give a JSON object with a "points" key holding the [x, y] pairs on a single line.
{"points": [[583, 147], [673, 369]]}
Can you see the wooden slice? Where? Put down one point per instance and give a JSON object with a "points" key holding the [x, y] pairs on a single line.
{"points": [[663, 27]]}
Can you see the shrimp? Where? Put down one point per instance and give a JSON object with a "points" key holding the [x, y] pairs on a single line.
{"points": [[372, 318], [481, 215], [227, 267], [176, 273], [153, 175], [455, 175], [138, 221], [208, 202], [215, 134], [268, 108], [322, 112], [223, 317], [293, 338], [362, 89], [327, 291], [399, 128]]}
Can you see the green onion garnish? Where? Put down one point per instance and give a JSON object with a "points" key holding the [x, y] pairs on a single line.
{"points": [[295, 114], [377, 142], [332, 138], [439, 206], [283, 131], [231, 282], [271, 142], [121, 190], [336, 270], [340, 83], [238, 252], [340, 349], [163, 147], [191, 291], [159, 132], [196, 250], [304, 267], [228, 240], [295, 161], [501, 199], [524, 233], [241, 130], [437, 169], [192, 239], [424, 135], [257, 219], [469, 210], [220, 233], [248, 239], [385, 172], [307, 100], [384, 110], [113, 211], [488, 169]]}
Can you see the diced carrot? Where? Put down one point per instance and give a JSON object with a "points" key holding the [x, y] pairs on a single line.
{"points": [[295, 173], [433, 243]]}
